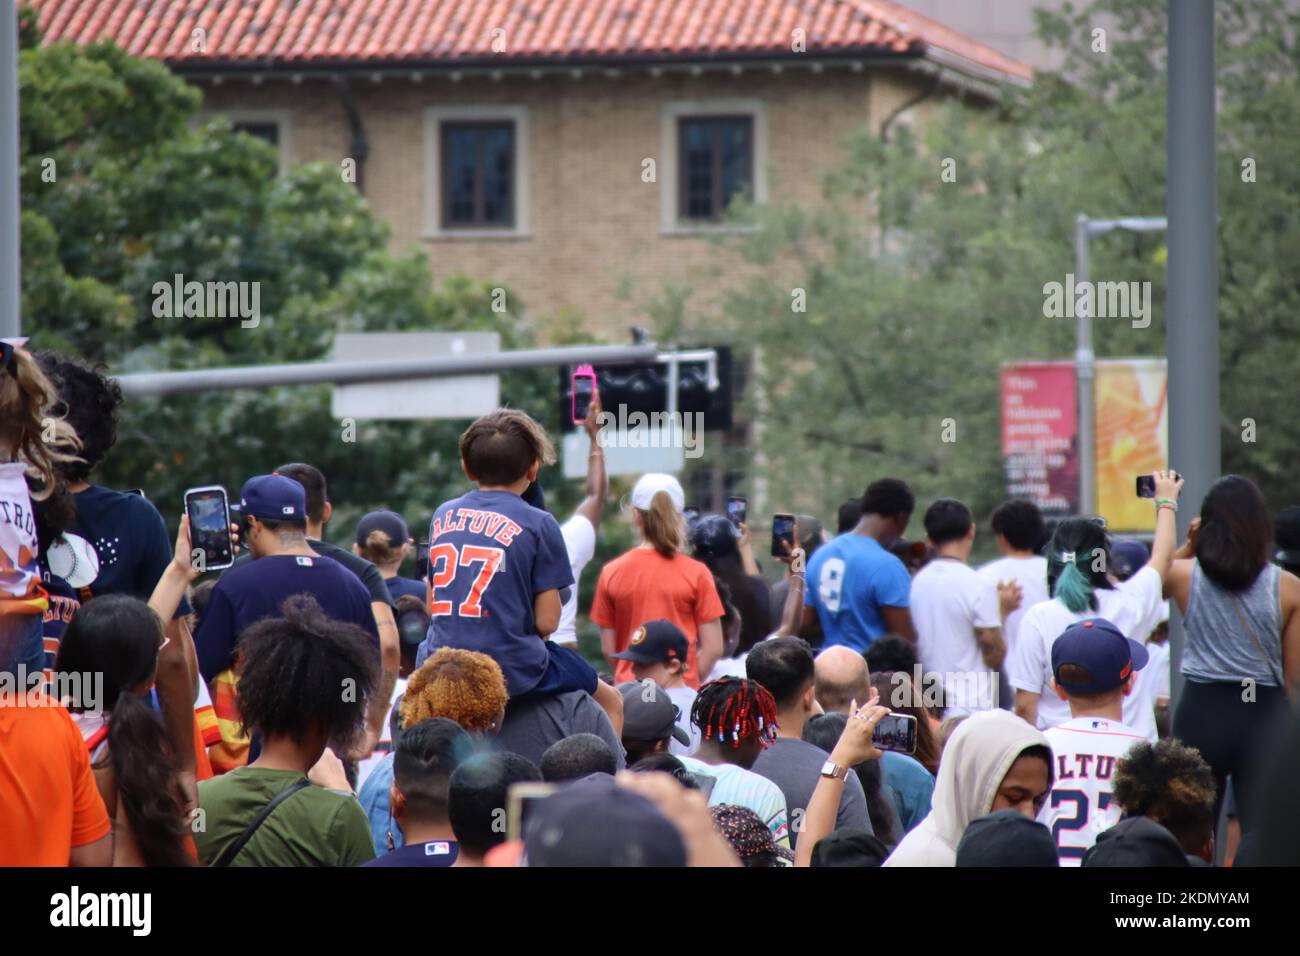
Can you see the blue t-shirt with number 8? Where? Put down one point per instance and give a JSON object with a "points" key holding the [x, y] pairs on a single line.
{"points": [[490, 555]]}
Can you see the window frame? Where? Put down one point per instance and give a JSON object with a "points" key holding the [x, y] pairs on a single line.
{"points": [[435, 221], [282, 119], [672, 173], [683, 186]]}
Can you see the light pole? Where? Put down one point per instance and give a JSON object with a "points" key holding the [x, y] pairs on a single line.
{"points": [[10, 294], [1192, 298], [1085, 360]]}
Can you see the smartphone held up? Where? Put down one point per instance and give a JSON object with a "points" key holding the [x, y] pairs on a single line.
{"points": [[211, 544], [782, 535], [582, 392]]}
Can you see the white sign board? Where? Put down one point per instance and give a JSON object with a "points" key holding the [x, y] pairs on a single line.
{"points": [[636, 452], [463, 396]]}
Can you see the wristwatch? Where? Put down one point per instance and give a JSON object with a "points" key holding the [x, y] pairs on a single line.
{"points": [[834, 770]]}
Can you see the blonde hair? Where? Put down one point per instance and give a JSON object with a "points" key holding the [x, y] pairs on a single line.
{"points": [[464, 686], [26, 396], [663, 526], [379, 549]]}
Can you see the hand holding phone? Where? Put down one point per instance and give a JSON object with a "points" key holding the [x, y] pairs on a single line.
{"points": [[895, 732], [1146, 484], [582, 392], [782, 536], [738, 510], [855, 744], [212, 546]]}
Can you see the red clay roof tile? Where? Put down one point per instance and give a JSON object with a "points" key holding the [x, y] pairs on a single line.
{"points": [[289, 33]]}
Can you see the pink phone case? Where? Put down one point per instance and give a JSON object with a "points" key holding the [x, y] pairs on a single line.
{"points": [[582, 371]]}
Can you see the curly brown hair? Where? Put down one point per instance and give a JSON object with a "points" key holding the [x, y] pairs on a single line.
{"points": [[464, 686], [1172, 784]]}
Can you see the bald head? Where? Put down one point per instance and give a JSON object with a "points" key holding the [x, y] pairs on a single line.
{"points": [[841, 677]]}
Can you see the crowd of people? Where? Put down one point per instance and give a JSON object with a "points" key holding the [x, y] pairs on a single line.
{"points": [[310, 705]]}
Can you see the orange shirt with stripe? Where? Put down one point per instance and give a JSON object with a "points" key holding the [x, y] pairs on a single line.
{"points": [[49, 802]]}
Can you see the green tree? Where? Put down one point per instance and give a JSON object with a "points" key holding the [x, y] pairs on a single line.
{"points": [[916, 286], [122, 189]]}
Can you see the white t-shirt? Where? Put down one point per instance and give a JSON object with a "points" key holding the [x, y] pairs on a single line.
{"points": [[1158, 665], [1081, 804], [1133, 606], [949, 601], [728, 667], [580, 542], [684, 698], [21, 582], [385, 746], [1031, 575]]}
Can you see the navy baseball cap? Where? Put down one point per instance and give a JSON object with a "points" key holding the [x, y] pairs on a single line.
{"points": [[273, 497], [1007, 838], [389, 522], [656, 642], [1127, 557], [1136, 841], [650, 714], [1101, 648], [631, 831]]}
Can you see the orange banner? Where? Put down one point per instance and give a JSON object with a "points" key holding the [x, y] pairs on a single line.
{"points": [[1132, 437]]}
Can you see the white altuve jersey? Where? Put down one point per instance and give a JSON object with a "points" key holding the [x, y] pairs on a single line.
{"points": [[1081, 804]]}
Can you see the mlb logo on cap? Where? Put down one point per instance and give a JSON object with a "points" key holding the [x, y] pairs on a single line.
{"points": [[273, 497]]}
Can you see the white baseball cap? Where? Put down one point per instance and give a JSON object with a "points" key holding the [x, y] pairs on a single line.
{"points": [[647, 486]]}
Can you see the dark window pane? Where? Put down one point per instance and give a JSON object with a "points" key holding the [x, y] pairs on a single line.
{"points": [[270, 132], [716, 164], [478, 174]]}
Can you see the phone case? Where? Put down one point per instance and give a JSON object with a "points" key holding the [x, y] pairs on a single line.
{"points": [[582, 371]]}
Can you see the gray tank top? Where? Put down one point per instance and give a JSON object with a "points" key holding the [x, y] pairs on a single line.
{"points": [[1218, 647]]}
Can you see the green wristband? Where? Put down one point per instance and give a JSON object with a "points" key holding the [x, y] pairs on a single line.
{"points": [[1161, 502]]}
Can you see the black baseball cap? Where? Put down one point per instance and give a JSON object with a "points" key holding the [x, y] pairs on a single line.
{"points": [[389, 522], [656, 642], [1136, 841], [849, 847], [596, 822], [713, 536], [1006, 838], [650, 714], [1099, 646], [1286, 532]]}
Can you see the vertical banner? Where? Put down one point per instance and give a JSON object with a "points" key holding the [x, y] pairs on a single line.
{"points": [[1039, 435], [1132, 423]]}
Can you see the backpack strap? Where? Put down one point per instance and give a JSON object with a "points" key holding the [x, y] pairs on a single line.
{"points": [[232, 849]]}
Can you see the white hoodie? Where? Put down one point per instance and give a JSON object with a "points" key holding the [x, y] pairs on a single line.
{"points": [[976, 759]]}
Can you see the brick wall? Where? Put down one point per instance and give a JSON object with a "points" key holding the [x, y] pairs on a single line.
{"points": [[595, 241]]}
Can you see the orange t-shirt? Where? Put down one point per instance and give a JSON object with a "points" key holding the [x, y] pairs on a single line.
{"points": [[642, 585], [48, 799]]}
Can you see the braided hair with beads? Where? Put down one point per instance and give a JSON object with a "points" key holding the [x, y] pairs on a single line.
{"points": [[735, 709]]}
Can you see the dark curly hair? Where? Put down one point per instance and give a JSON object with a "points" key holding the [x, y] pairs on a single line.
{"points": [[1172, 784], [88, 401], [302, 671]]}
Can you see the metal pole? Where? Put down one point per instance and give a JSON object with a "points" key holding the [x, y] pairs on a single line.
{"points": [[343, 373], [10, 288], [1191, 310], [1084, 372]]}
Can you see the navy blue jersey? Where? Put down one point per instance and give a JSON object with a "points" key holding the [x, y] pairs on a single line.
{"points": [[250, 592], [130, 540], [490, 555]]}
